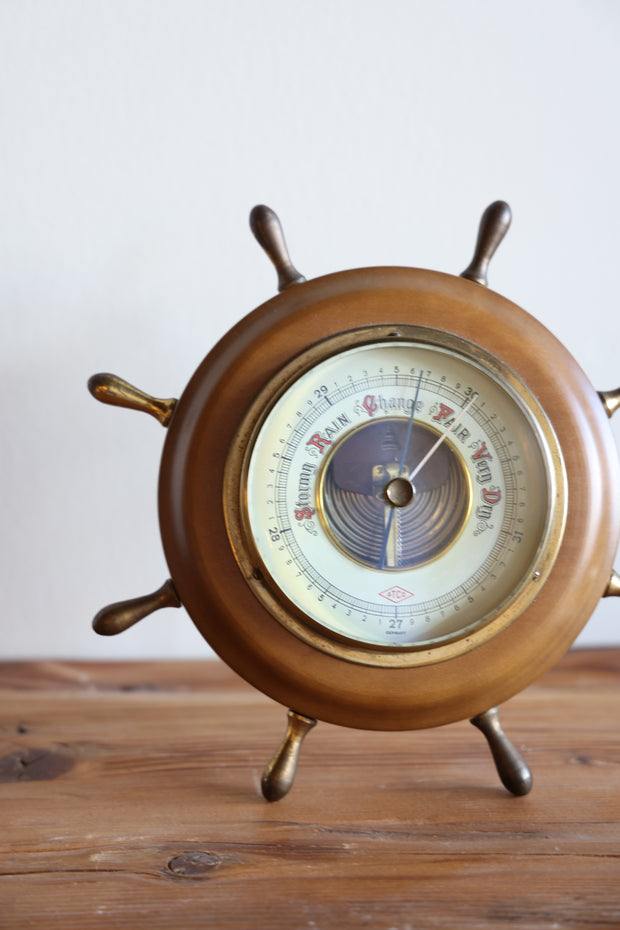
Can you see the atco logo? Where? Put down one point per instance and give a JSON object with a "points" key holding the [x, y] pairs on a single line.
{"points": [[396, 594]]}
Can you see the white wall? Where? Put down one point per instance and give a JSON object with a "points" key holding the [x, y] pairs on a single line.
{"points": [[135, 136]]}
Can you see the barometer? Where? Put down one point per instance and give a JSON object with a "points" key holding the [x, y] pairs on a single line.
{"points": [[389, 498]]}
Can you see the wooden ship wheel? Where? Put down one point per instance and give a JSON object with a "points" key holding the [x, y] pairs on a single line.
{"points": [[389, 498]]}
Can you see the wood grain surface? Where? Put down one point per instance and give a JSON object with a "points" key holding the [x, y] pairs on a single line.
{"points": [[130, 798]]}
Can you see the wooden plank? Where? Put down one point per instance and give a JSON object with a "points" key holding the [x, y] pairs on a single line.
{"points": [[129, 796]]}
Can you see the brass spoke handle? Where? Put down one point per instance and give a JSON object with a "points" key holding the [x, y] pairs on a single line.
{"points": [[610, 400], [494, 225], [110, 389], [120, 616], [512, 768], [613, 588], [279, 775], [267, 229]]}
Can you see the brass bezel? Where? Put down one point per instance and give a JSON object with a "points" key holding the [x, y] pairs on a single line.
{"points": [[307, 629]]}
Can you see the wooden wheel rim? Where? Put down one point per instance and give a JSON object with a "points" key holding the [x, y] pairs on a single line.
{"points": [[193, 522]]}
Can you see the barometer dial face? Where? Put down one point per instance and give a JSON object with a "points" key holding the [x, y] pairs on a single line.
{"points": [[403, 498]]}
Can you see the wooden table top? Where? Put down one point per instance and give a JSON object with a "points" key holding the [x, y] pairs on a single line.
{"points": [[130, 797]]}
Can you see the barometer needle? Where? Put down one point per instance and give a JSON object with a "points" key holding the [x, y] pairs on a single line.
{"points": [[388, 526], [434, 448]]}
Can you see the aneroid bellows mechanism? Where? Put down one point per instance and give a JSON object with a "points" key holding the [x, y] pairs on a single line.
{"points": [[411, 509]]}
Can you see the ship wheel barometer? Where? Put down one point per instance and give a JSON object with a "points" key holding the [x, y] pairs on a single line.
{"points": [[389, 499]]}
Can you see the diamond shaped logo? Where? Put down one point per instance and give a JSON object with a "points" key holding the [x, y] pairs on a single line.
{"points": [[396, 594]]}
